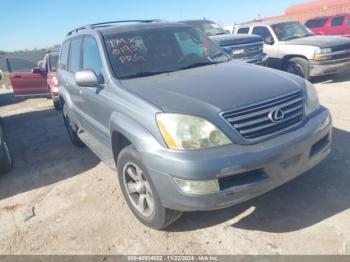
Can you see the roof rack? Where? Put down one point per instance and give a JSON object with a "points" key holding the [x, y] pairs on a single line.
{"points": [[76, 30], [124, 21], [106, 24]]}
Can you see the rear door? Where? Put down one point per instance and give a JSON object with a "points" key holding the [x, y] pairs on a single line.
{"points": [[26, 78], [337, 26]]}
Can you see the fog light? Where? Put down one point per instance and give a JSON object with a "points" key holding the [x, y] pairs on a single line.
{"points": [[198, 187]]}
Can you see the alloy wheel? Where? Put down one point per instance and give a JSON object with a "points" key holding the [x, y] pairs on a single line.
{"points": [[138, 189]]}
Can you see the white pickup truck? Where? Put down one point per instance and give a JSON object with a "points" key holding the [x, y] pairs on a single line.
{"points": [[292, 47]]}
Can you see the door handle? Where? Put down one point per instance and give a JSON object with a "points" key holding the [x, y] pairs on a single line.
{"points": [[17, 76]]}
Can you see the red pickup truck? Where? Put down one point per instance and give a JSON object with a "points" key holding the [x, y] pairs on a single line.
{"points": [[30, 80], [330, 25]]}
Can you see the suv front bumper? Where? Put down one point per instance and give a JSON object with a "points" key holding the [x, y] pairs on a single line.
{"points": [[243, 171], [328, 67], [260, 59]]}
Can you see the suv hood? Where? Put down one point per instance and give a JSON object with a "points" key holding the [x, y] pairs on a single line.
{"points": [[320, 41], [230, 40], [213, 88]]}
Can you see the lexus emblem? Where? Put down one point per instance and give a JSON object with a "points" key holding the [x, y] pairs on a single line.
{"points": [[276, 115]]}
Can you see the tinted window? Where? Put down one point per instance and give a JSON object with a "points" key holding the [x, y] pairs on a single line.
{"points": [[20, 65], [262, 31], [74, 59], [64, 55], [91, 56], [338, 21], [154, 51], [316, 23], [243, 30]]}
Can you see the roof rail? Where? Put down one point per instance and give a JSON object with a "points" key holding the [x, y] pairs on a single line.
{"points": [[105, 24], [76, 30], [123, 21]]}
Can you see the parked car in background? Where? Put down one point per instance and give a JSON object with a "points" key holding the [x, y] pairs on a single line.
{"points": [[27, 79], [5, 156], [6, 162], [247, 48], [50, 64], [330, 25], [186, 126], [31, 80], [294, 48]]}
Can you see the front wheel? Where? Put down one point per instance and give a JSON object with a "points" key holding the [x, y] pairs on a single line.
{"points": [[57, 105], [298, 66], [140, 193]]}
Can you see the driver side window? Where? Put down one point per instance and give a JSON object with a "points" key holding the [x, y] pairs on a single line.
{"points": [[264, 32], [91, 57]]}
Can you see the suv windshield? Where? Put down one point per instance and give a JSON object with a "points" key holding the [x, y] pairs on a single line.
{"points": [[53, 62], [210, 28], [290, 30], [154, 51]]}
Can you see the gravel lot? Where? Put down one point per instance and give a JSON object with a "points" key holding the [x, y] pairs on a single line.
{"points": [[79, 208]]}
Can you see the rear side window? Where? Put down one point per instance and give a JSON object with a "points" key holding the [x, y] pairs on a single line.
{"points": [[243, 30], [64, 55], [348, 20], [316, 23], [262, 31], [74, 60], [91, 56], [338, 21]]}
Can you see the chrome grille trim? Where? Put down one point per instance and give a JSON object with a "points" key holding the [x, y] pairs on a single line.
{"points": [[252, 123]]}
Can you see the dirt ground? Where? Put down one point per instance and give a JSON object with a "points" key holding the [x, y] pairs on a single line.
{"points": [[79, 208]]}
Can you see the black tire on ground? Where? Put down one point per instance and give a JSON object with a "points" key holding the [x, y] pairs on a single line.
{"points": [[57, 105], [161, 217], [72, 133], [6, 162], [298, 66]]}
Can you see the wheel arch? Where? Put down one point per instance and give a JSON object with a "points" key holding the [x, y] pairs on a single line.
{"points": [[286, 58], [125, 131]]}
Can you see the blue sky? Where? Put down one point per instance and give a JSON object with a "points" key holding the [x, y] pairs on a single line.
{"points": [[43, 23]]}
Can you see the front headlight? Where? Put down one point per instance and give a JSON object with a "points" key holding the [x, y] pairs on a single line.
{"points": [[312, 102], [321, 54], [185, 132]]}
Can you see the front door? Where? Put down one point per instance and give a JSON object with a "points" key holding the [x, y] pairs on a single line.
{"points": [[26, 78]]}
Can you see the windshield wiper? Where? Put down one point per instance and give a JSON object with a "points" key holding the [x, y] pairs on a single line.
{"points": [[222, 33], [143, 74], [199, 64]]}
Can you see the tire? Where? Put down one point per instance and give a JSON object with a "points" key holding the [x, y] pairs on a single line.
{"points": [[298, 66], [57, 105], [72, 132], [6, 162], [153, 215]]}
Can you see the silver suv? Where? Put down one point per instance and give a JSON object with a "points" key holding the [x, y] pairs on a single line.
{"points": [[186, 127]]}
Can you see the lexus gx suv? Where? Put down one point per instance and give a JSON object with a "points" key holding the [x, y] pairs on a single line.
{"points": [[186, 127]]}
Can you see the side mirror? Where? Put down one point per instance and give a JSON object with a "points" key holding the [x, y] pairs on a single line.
{"points": [[86, 78], [269, 40]]}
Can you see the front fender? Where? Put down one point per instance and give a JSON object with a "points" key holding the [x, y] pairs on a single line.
{"points": [[141, 138]]}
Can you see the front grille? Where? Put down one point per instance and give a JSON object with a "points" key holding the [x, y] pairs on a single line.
{"points": [[244, 51], [341, 48], [253, 122], [341, 56]]}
